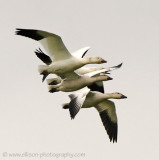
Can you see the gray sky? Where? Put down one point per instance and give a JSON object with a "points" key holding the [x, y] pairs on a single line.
{"points": [[31, 119]]}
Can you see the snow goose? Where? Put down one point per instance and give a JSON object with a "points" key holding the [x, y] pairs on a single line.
{"points": [[62, 60], [106, 108], [72, 81], [92, 81], [83, 70], [97, 86]]}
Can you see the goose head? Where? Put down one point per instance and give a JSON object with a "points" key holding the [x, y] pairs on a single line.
{"points": [[97, 60], [115, 95], [107, 78], [103, 77]]}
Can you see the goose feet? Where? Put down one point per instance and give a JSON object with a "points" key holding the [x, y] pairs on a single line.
{"points": [[53, 90], [54, 82]]}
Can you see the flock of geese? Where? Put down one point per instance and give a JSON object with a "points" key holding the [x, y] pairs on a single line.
{"points": [[85, 83]]}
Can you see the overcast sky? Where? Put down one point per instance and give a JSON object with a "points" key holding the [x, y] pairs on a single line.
{"points": [[32, 119]]}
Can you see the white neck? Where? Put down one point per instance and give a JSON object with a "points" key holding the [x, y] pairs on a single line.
{"points": [[111, 96], [99, 78], [88, 61]]}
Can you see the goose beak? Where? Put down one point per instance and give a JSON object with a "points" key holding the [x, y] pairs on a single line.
{"points": [[109, 78], [123, 96], [104, 61]]}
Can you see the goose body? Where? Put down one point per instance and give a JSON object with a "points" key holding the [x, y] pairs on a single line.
{"points": [[61, 59], [81, 71], [95, 83], [105, 108], [91, 98], [74, 82]]}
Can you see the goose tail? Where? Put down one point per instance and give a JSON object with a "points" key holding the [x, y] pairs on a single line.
{"points": [[65, 106], [43, 71], [53, 88], [52, 81]]}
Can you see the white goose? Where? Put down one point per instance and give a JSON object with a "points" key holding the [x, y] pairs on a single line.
{"points": [[80, 53], [97, 86], [72, 81], [69, 84], [61, 59], [106, 108]]}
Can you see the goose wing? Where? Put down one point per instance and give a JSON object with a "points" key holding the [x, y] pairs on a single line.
{"points": [[81, 52], [97, 86], [52, 43], [42, 56], [108, 116], [77, 101], [94, 73], [113, 68]]}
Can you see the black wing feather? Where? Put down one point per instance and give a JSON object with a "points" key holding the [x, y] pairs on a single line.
{"points": [[74, 107], [30, 33], [84, 53], [42, 56], [96, 87], [110, 127]]}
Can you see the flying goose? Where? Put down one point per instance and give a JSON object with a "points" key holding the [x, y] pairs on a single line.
{"points": [[106, 108], [72, 81], [95, 82], [97, 86], [61, 59], [83, 70]]}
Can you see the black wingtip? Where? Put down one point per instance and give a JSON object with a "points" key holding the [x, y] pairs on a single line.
{"points": [[111, 127], [43, 57], [85, 53], [17, 31], [118, 66], [74, 108], [30, 33]]}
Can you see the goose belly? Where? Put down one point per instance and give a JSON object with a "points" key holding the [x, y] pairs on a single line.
{"points": [[73, 85], [61, 67], [92, 100]]}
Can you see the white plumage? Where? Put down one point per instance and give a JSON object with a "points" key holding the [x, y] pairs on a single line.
{"points": [[72, 76], [62, 60]]}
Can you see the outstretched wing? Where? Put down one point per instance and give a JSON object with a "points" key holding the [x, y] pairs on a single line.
{"points": [[77, 101], [52, 43], [113, 68], [94, 73], [98, 86], [81, 52], [108, 116]]}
